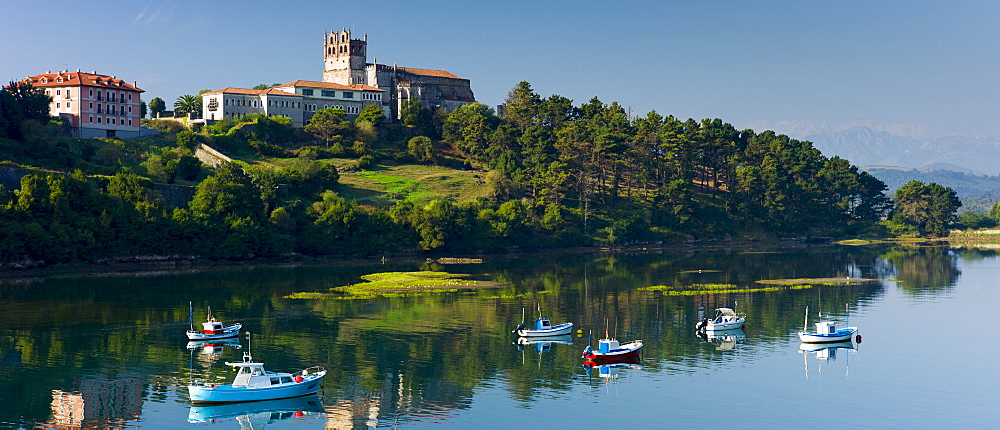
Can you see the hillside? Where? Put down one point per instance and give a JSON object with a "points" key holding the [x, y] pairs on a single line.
{"points": [[977, 192]]}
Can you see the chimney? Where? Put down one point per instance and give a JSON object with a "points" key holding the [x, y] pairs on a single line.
{"points": [[77, 70]]}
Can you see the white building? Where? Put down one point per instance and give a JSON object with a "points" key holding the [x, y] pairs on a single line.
{"points": [[298, 100]]}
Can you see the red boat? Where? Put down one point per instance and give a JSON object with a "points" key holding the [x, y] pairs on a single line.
{"points": [[610, 349]]}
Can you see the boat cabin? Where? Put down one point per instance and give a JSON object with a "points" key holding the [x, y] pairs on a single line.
{"points": [[212, 327], [724, 315], [826, 327], [543, 324], [253, 375], [608, 345]]}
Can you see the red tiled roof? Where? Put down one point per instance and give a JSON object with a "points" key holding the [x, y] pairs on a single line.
{"points": [[330, 85], [248, 91], [428, 72], [79, 79]]}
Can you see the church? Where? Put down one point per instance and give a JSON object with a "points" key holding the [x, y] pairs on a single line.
{"points": [[345, 60], [349, 83]]}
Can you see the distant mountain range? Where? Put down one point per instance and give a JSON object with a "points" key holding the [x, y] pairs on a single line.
{"points": [[864, 146], [968, 165]]}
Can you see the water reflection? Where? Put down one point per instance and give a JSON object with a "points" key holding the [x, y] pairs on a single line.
{"points": [[256, 415], [609, 370], [723, 340], [423, 358], [543, 343], [214, 347], [824, 353]]}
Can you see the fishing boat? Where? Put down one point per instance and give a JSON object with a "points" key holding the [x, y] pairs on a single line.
{"points": [[610, 349], [253, 383], [725, 319], [543, 327], [212, 328], [827, 331]]}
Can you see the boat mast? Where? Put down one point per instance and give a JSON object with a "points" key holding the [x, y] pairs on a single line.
{"points": [[805, 323], [191, 315]]}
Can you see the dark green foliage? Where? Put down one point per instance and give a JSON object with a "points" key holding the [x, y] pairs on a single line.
{"points": [[188, 104], [156, 107], [930, 208], [329, 125], [372, 114], [421, 148], [20, 102]]}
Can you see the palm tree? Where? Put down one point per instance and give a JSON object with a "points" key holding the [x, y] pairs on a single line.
{"points": [[188, 104]]}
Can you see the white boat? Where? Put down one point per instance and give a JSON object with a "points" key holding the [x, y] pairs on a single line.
{"points": [[212, 328], [725, 319], [544, 327], [827, 331], [253, 383]]}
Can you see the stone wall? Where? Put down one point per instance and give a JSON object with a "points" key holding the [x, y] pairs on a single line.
{"points": [[210, 156]]}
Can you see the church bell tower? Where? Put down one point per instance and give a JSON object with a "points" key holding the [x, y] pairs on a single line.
{"points": [[344, 58]]}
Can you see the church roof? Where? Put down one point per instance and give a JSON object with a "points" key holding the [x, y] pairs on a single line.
{"points": [[330, 85], [429, 72], [248, 91], [75, 79]]}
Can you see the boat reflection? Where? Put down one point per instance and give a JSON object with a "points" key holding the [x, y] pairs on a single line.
{"points": [[543, 344], [723, 340], [825, 353], [256, 415], [609, 369], [216, 346]]}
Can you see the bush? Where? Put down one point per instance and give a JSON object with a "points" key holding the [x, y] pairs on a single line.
{"points": [[365, 162], [167, 125]]}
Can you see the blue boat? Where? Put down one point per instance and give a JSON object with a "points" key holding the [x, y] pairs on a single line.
{"points": [[827, 331], [544, 327], [253, 383]]}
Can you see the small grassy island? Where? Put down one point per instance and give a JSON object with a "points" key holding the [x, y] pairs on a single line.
{"points": [[771, 285], [394, 284]]}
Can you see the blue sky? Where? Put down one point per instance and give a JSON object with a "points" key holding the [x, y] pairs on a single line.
{"points": [[925, 67]]}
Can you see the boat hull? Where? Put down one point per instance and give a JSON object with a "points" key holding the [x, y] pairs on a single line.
{"points": [[557, 330], [211, 393], [845, 334], [625, 351], [280, 407], [231, 331]]}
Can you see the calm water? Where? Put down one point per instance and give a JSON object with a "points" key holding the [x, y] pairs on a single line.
{"points": [[110, 351]]}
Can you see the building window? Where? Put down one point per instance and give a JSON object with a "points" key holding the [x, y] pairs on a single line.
{"points": [[91, 92], [58, 92], [98, 120], [348, 95], [307, 92], [68, 105], [57, 105], [68, 93], [329, 93]]}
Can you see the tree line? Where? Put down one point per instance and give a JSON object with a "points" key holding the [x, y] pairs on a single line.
{"points": [[559, 174]]}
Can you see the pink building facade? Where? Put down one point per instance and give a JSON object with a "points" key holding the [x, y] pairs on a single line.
{"points": [[95, 105]]}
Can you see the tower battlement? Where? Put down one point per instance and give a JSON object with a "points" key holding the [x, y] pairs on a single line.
{"points": [[344, 57]]}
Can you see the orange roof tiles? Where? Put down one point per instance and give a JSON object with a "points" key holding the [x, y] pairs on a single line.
{"points": [[79, 79], [247, 91], [330, 85], [429, 72]]}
